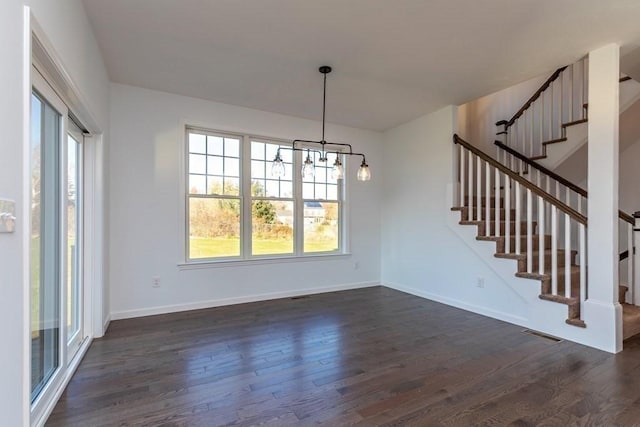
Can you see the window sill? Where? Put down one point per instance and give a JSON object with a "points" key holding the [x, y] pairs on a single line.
{"points": [[196, 265]]}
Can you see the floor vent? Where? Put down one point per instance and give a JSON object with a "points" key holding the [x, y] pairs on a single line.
{"points": [[542, 335]]}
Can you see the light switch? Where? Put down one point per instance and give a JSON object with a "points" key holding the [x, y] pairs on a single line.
{"points": [[7, 216]]}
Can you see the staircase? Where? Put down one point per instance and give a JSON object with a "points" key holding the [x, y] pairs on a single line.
{"points": [[512, 212], [552, 124], [535, 217]]}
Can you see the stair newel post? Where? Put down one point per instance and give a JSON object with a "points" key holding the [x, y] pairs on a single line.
{"points": [[636, 260], [518, 233], [529, 232], [541, 248], [487, 198]]}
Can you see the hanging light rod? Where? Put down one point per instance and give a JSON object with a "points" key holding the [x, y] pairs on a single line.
{"points": [[308, 169]]}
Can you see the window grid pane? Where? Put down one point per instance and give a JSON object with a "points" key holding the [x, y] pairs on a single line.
{"points": [[214, 227], [214, 165], [321, 226], [322, 186], [214, 171], [263, 183], [272, 227]]}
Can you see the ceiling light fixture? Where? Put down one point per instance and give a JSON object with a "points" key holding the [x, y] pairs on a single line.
{"points": [[308, 168]]}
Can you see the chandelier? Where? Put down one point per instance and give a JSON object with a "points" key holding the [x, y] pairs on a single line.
{"points": [[324, 148]]}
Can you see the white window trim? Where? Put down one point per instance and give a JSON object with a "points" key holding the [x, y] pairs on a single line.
{"points": [[245, 257]]}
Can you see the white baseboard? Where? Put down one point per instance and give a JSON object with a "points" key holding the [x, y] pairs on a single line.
{"points": [[506, 317], [150, 311]]}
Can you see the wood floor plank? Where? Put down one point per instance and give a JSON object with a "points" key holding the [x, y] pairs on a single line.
{"points": [[366, 357]]}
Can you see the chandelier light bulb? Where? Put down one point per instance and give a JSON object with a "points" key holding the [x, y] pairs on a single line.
{"points": [[308, 170], [277, 167], [338, 170], [364, 174]]}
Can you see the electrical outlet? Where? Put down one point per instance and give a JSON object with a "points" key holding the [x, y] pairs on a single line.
{"points": [[480, 282], [155, 282]]}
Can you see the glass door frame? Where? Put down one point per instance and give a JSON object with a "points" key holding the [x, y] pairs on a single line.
{"points": [[47, 94], [75, 341]]}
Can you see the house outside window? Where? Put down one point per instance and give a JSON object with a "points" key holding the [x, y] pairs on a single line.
{"points": [[237, 209]]}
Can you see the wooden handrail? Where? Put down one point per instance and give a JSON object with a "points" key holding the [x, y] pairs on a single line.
{"points": [[508, 123], [624, 255], [529, 185], [531, 100], [622, 215], [541, 168], [626, 217]]}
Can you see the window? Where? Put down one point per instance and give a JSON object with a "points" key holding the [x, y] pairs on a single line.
{"points": [[272, 201], [237, 209], [214, 196], [321, 207]]}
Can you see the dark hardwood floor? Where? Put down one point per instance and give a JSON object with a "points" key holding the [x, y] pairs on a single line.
{"points": [[366, 357]]}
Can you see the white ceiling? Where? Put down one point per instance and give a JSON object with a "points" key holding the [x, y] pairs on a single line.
{"points": [[393, 60]]}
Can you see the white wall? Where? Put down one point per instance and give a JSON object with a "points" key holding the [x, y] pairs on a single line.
{"points": [[13, 358], [421, 253], [145, 205], [67, 27], [477, 119]]}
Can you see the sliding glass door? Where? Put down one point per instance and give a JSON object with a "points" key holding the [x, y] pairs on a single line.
{"points": [[56, 244], [46, 134]]}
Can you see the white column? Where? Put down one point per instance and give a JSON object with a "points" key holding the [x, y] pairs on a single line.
{"points": [[602, 310]]}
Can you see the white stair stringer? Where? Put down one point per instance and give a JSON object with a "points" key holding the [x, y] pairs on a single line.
{"points": [[543, 316], [577, 135]]}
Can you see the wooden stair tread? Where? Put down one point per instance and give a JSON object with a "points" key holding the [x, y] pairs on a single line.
{"points": [[535, 253], [575, 122], [573, 269], [553, 141], [573, 302], [576, 322]]}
